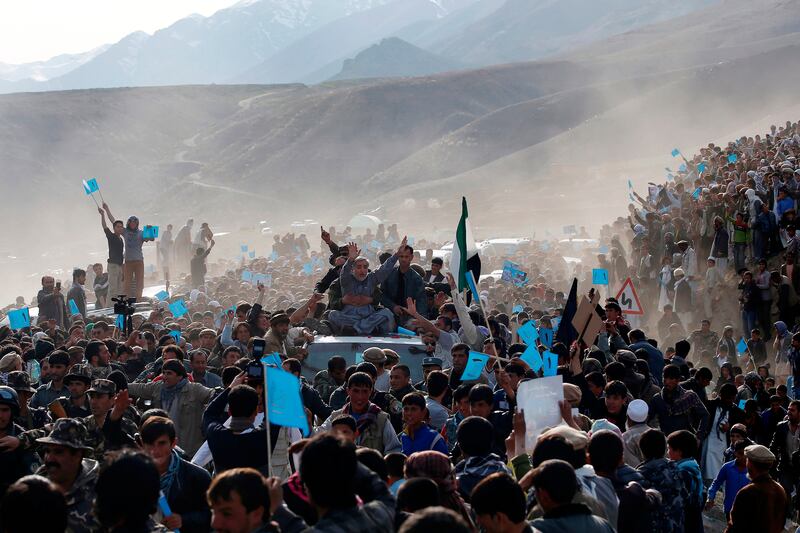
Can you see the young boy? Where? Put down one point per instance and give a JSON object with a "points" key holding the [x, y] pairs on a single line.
{"points": [[418, 436], [681, 448], [345, 427], [734, 475]]}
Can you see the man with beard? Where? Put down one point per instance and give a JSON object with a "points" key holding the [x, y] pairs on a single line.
{"points": [[359, 315], [66, 466]]}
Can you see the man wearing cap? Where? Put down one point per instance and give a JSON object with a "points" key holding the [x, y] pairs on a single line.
{"points": [[761, 505], [66, 466], [277, 339], [635, 426], [429, 364], [28, 417], [14, 461], [378, 358], [56, 388], [78, 380]]}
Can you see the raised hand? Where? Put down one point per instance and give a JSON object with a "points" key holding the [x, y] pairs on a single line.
{"points": [[326, 237], [452, 281], [411, 307], [352, 250], [403, 244]]}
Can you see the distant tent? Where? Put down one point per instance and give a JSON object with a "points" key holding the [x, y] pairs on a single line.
{"points": [[364, 222]]}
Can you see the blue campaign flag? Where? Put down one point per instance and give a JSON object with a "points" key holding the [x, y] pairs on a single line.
{"points": [[742, 404], [741, 346], [162, 295], [527, 332], [701, 168], [532, 357], [603, 249], [670, 177], [550, 364], [308, 269], [285, 406], [517, 308], [178, 308], [471, 282], [252, 254], [150, 232], [247, 276], [404, 331], [120, 323], [675, 152], [477, 361], [175, 335], [274, 255], [73, 307], [682, 168], [90, 186], [272, 359], [630, 184], [599, 276], [19, 318], [164, 505], [546, 336], [244, 248], [733, 158], [410, 241], [696, 193]]}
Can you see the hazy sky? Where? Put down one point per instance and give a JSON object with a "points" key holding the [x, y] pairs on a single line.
{"points": [[32, 30]]}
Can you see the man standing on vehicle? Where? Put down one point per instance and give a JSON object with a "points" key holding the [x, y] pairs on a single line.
{"points": [[115, 257]]}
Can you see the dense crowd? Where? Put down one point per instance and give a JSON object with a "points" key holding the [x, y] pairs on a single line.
{"points": [[156, 421]]}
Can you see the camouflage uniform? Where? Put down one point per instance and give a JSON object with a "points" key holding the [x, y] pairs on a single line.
{"points": [[663, 476], [325, 385], [36, 417], [77, 373], [80, 497]]}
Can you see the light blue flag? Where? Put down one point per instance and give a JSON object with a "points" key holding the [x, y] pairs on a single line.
{"points": [[73, 307], [404, 331], [359, 357], [733, 158], [164, 506], [162, 295], [90, 186], [675, 152], [272, 359], [19, 318], [175, 335], [244, 248], [274, 255], [120, 323], [527, 332], [285, 406], [150, 232], [477, 361], [603, 249], [670, 177], [533, 358], [741, 346], [696, 193], [308, 269], [410, 241], [546, 336], [471, 282], [630, 184], [742, 404], [701, 168], [631, 198], [375, 245], [550, 364], [178, 308], [247, 276], [682, 168], [252, 254], [556, 320], [517, 308], [599, 276]]}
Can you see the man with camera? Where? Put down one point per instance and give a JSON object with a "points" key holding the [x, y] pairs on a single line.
{"points": [[51, 302]]}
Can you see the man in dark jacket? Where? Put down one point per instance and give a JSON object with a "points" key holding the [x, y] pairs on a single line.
{"points": [[678, 408], [51, 302], [183, 483], [785, 443], [401, 284], [759, 506]]}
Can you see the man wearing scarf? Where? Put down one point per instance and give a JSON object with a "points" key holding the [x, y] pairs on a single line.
{"points": [[373, 429], [182, 483], [179, 397]]}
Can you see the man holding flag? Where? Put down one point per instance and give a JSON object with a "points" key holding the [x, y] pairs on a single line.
{"points": [[115, 252]]}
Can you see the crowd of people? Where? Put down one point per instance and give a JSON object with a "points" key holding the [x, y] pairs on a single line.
{"points": [[162, 427]]}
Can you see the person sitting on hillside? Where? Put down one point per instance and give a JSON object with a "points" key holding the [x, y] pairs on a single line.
{"points": [[359, 314]]}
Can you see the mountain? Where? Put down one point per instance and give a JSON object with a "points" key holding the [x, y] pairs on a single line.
{"points": [[392, 58], [320, 55], [198, 50], [524, 30], [533, 144], [51, 68]]}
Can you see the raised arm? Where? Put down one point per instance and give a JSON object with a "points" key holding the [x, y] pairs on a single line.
{"points": [[108, 212], [301, 314], [103, 218], [421, 321]]}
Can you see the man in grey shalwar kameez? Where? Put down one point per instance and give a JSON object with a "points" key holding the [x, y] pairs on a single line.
{"points": [[358, 285]]}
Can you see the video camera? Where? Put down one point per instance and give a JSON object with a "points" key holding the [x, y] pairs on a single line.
{"points": [[124, 305]]}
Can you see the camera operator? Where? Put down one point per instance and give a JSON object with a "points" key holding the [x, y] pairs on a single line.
{"points": [[51, 302]]}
